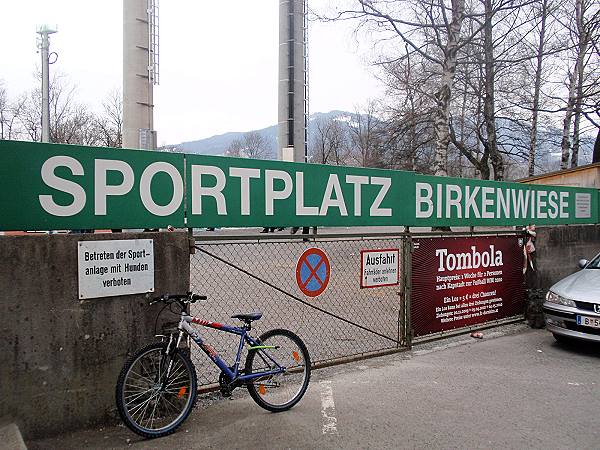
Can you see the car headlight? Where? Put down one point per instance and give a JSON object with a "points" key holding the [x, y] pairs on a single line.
{"points": [[553, 297]]}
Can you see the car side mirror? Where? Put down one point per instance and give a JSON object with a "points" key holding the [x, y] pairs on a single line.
{"points": [[583, 263]]}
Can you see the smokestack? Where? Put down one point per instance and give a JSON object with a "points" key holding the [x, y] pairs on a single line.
{"points": [[293, 81], [140, 72]]}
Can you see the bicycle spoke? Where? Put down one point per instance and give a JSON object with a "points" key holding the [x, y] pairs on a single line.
{"points": [[175, 375], [139, 410], [143, 377], [148, 372], [169, 403], [137, 387], [131, 400], [154, 410], [178, 380]]}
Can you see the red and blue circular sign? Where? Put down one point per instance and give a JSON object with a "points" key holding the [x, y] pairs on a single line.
{"points": [[313, 272]]}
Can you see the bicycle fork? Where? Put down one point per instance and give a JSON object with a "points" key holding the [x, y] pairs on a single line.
{"points": [[170, 351]]}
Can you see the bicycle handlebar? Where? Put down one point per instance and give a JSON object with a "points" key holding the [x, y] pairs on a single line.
{"points": [[182, 298]]}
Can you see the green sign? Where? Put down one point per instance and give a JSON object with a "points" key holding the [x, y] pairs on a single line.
{"points": [[53, 186], [245, 192]]}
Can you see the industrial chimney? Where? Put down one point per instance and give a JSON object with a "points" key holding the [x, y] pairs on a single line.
{"points": [[292, 134], [140, 72]]}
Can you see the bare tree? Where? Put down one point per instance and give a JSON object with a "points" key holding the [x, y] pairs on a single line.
{"points": [[110, 124], [235, 149], [4, 111], [365, 138], [252, 145], [70, 122], [408, 136], [584, 28], [596, 155], [30, 114], [9, 113], [329, 143], [431, 30], [543, 14]]}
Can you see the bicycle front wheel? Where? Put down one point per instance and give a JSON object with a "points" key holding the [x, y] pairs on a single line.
{"points": [[151, 403], [278, 349]]}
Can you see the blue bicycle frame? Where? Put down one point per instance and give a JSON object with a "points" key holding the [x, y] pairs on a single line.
{"points": [[233, 375]]}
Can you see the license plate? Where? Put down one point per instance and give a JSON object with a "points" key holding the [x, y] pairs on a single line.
{"points": [[593, 322]]}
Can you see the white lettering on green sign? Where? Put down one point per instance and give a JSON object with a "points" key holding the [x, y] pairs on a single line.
{"points": [[54, 186], [485, 202]]}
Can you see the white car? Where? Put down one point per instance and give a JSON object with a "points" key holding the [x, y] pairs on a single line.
{"points": [[572, 306]]}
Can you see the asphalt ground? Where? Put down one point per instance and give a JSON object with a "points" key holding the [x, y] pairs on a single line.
{"points": [[515, 388]]}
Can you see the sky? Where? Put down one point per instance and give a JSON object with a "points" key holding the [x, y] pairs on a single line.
{"points": [[218, 60]]}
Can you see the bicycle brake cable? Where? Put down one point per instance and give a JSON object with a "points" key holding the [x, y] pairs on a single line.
{"points": [[157, 316]]}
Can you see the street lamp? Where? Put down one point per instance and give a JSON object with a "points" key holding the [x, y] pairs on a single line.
{"points": [[44, 45]]}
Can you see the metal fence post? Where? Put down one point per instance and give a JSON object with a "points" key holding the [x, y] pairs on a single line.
{"points": [[407, 250]]}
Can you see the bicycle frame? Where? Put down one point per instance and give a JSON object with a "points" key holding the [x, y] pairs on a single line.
{"points": [[234, 375]]}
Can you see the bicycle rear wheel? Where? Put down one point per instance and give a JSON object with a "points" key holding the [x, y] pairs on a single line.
{"points": [[278, 392], [151, 404]]}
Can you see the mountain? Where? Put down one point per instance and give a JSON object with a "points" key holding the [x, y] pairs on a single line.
{"points": [[218, 145]]}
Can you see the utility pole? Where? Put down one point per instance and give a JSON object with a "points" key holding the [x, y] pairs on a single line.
{"points": [[44, 45]]}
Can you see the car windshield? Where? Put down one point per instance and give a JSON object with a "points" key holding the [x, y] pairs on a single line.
{"points": [[595, 263]]}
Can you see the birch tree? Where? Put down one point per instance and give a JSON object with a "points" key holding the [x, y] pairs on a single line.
{"points": [[540, 46], [437, 31], [584, 28], [431, 29]]}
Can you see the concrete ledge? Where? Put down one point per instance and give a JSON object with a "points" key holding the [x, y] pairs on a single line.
{"points": [[10, 437]]}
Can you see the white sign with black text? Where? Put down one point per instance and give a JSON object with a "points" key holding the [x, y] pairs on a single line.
{"points": [[109, 268], [379, 267]]}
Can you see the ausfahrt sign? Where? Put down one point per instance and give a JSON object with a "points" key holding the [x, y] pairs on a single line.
{"points": [[379, 267], [109, 268]]}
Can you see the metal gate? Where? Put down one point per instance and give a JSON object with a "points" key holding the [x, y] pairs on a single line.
{"points": [[242, 274]]}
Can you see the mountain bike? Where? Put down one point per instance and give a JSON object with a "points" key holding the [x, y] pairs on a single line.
{"points": [[157, 387]]}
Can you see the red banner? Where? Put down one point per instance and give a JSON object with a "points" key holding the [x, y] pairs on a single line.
{"points": [[457, 282]]}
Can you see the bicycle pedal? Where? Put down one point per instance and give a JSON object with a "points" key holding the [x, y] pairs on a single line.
{"points": [[226, 393]]}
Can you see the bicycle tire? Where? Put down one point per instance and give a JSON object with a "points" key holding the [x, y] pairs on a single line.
{"points": [[144, 389], [298, 374]]}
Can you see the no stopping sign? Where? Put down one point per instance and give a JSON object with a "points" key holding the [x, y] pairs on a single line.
{"points": [[313, 271]]}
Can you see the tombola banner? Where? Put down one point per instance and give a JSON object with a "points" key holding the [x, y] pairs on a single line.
{"points": [[457, 282]]}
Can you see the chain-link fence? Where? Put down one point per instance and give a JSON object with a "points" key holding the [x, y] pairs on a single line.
{"points": [[242, 275]]}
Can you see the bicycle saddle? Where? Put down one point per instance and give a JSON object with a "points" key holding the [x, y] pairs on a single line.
{"points": [[248, 317]]}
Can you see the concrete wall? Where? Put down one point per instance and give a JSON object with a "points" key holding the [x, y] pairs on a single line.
{"points": [[559, 249], [60, 357]]}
